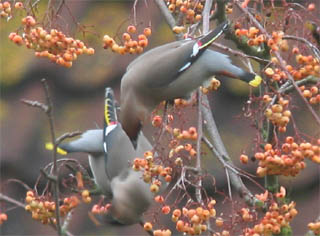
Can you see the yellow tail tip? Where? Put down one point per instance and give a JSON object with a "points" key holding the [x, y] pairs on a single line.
{"points": [[49, 146], [256, 81]]}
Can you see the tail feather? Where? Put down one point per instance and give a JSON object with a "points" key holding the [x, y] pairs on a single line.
{"points": [[212, 36], [110, 111]]}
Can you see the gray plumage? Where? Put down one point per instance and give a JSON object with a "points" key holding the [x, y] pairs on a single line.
{"points": [[170, 71], [130, 195]]}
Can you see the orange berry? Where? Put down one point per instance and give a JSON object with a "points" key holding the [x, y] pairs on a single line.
{"points": [[191, 213], [159, 199], [307, 93], [168, 178], [87, 200], [198, 17], [183, 9], [165, 210], [219, 222], [131, 29], [284, 46], [143, 43], [193, 152], [154, 188], [178, 29], [157, 121], [311, 7], [17, 39], [267, 147], [18, 5], [147, 226], [295, 50], [3, 217], [244, 159], [314, 90], [147, 31], [176, 213], [180, 225], [141, 37], [269, 72], [90, 51], [85, 193], [6, 5], [126, 37], [172, 7]]}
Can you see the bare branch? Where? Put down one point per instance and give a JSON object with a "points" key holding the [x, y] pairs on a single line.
{"points": [[67, 135], [8, 199], [53, 140], [198, 160], [239, 53], [35, 104], [313, 48], [218, 144]]}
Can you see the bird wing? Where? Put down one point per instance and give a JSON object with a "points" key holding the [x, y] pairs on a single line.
{"points": [[166, 62], [117, 147], [89, 142]]}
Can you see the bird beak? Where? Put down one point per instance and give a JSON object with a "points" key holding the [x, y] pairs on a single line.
{"points": [[256, 81]]}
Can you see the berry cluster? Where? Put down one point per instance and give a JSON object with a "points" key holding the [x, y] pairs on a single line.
{"points": [[275, 74], [100, 210], [311, 93], [190, 134], [287, 161], [193, 221], [246, 215], [162, 232], [254, 38], [278, 113], [53, 45], [315, 227], [3, 218], [213, 85], [177, 148], [152, 171], [307, 65], [191, 10], [179, 102], [44, 210], [5, 9], [132, 46], [276, 218]]}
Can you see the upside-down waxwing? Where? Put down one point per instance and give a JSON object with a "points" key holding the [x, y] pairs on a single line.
{"points": [[111, 155], [170, 71]]}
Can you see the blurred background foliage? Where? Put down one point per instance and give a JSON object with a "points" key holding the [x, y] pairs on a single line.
{"points": [[77, 95]]}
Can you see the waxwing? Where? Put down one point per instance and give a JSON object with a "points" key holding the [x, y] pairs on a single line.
{"points": [[111, 155], [170, 71]]}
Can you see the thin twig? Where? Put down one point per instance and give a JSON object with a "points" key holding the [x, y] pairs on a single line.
{"points": [[67, 135], [35, 104], [8, 199], [239, 53], [53, 140], [198, 160], [313, 48]]}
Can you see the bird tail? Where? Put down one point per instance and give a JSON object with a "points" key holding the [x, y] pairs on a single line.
{"points": [[110, 111], [213, 35], [60, 150], [253, 79]]}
